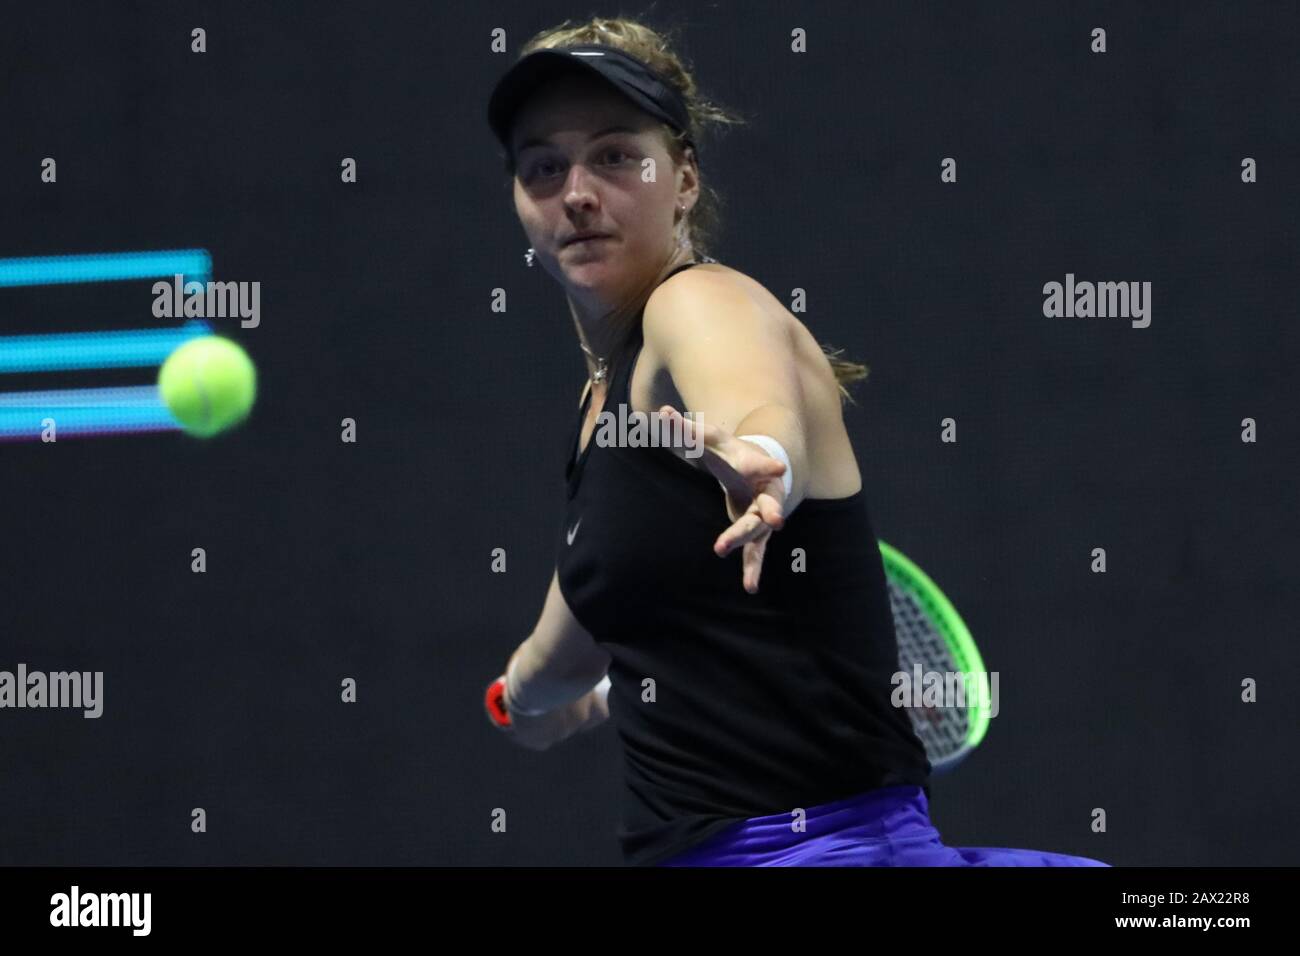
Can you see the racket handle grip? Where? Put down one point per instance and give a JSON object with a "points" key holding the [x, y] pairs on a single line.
{"points": [[494, 701]]}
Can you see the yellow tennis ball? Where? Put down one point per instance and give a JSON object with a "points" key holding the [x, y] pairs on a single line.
{"points": [[208, 384]]}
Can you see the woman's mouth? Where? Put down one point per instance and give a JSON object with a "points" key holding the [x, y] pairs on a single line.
{"points": [[578, 240]]}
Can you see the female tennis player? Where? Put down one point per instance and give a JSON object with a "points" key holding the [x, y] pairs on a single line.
{"points": [[729, 606]]}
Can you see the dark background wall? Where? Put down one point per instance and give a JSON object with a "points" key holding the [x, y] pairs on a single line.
{"points": [[372, 561]]}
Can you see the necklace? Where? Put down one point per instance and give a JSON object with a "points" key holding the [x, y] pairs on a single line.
{"points": [[602, 365]]}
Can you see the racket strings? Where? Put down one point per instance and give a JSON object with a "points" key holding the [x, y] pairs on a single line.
{"points": [[943, 730]]}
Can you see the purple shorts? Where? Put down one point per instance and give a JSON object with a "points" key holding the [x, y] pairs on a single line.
{"points": [[885, 827]]}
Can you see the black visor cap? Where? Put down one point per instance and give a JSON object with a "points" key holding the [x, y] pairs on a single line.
{"points": [[644, 87]]}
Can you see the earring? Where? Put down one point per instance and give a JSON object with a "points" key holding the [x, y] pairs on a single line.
{"points": [[682, 242], [529, 256]]}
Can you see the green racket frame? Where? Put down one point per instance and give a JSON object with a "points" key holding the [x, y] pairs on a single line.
{"points": [[904, 573]]}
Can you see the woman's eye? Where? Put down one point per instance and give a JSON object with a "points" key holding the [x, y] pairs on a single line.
{"points": [[545, 168]]}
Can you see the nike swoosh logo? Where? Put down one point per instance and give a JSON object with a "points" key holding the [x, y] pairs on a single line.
{"points": [[573, 532]]}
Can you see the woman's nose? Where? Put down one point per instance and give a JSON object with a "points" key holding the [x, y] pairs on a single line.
{"points": [[578, 189]]}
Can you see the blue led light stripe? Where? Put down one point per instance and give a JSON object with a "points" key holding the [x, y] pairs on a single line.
{"points": [[85, 411], [131, 348], [194, 264]]}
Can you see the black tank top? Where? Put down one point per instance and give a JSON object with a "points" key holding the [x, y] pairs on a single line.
{"points": [[728, 705]]}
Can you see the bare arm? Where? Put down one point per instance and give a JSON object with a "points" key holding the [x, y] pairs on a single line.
{"points": [[559, 662], [557, 670], [548, 729], [732, 363]]}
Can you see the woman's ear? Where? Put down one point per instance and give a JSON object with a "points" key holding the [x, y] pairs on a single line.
{"points": [[691, 173]]}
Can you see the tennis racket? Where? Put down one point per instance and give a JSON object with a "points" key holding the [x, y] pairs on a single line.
{"points": [[931, 634]]}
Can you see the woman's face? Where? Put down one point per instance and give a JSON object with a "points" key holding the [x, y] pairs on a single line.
{"points": [[580, 151]]}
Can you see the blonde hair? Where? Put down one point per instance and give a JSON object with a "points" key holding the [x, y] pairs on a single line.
{"points": [[653, 48]]}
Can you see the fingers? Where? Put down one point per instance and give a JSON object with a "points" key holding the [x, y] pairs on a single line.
{"points": [[764, 514], [695, 434], [763, 463], [750, 477], [747, 528], [771, 510], [739, 465], [768, 504], [750, 526], [751, 533], [752, 563]]}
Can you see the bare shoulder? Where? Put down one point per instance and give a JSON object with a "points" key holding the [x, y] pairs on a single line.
{"points": [[737, 347], [723, 306], [710, 279], [712, 297]]}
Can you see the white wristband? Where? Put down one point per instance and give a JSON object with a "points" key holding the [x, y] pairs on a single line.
{"points": [[774, 448], [510, 693], [601, 690]]}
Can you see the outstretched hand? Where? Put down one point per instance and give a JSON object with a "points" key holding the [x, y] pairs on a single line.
{"points": [[752, 485]]}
